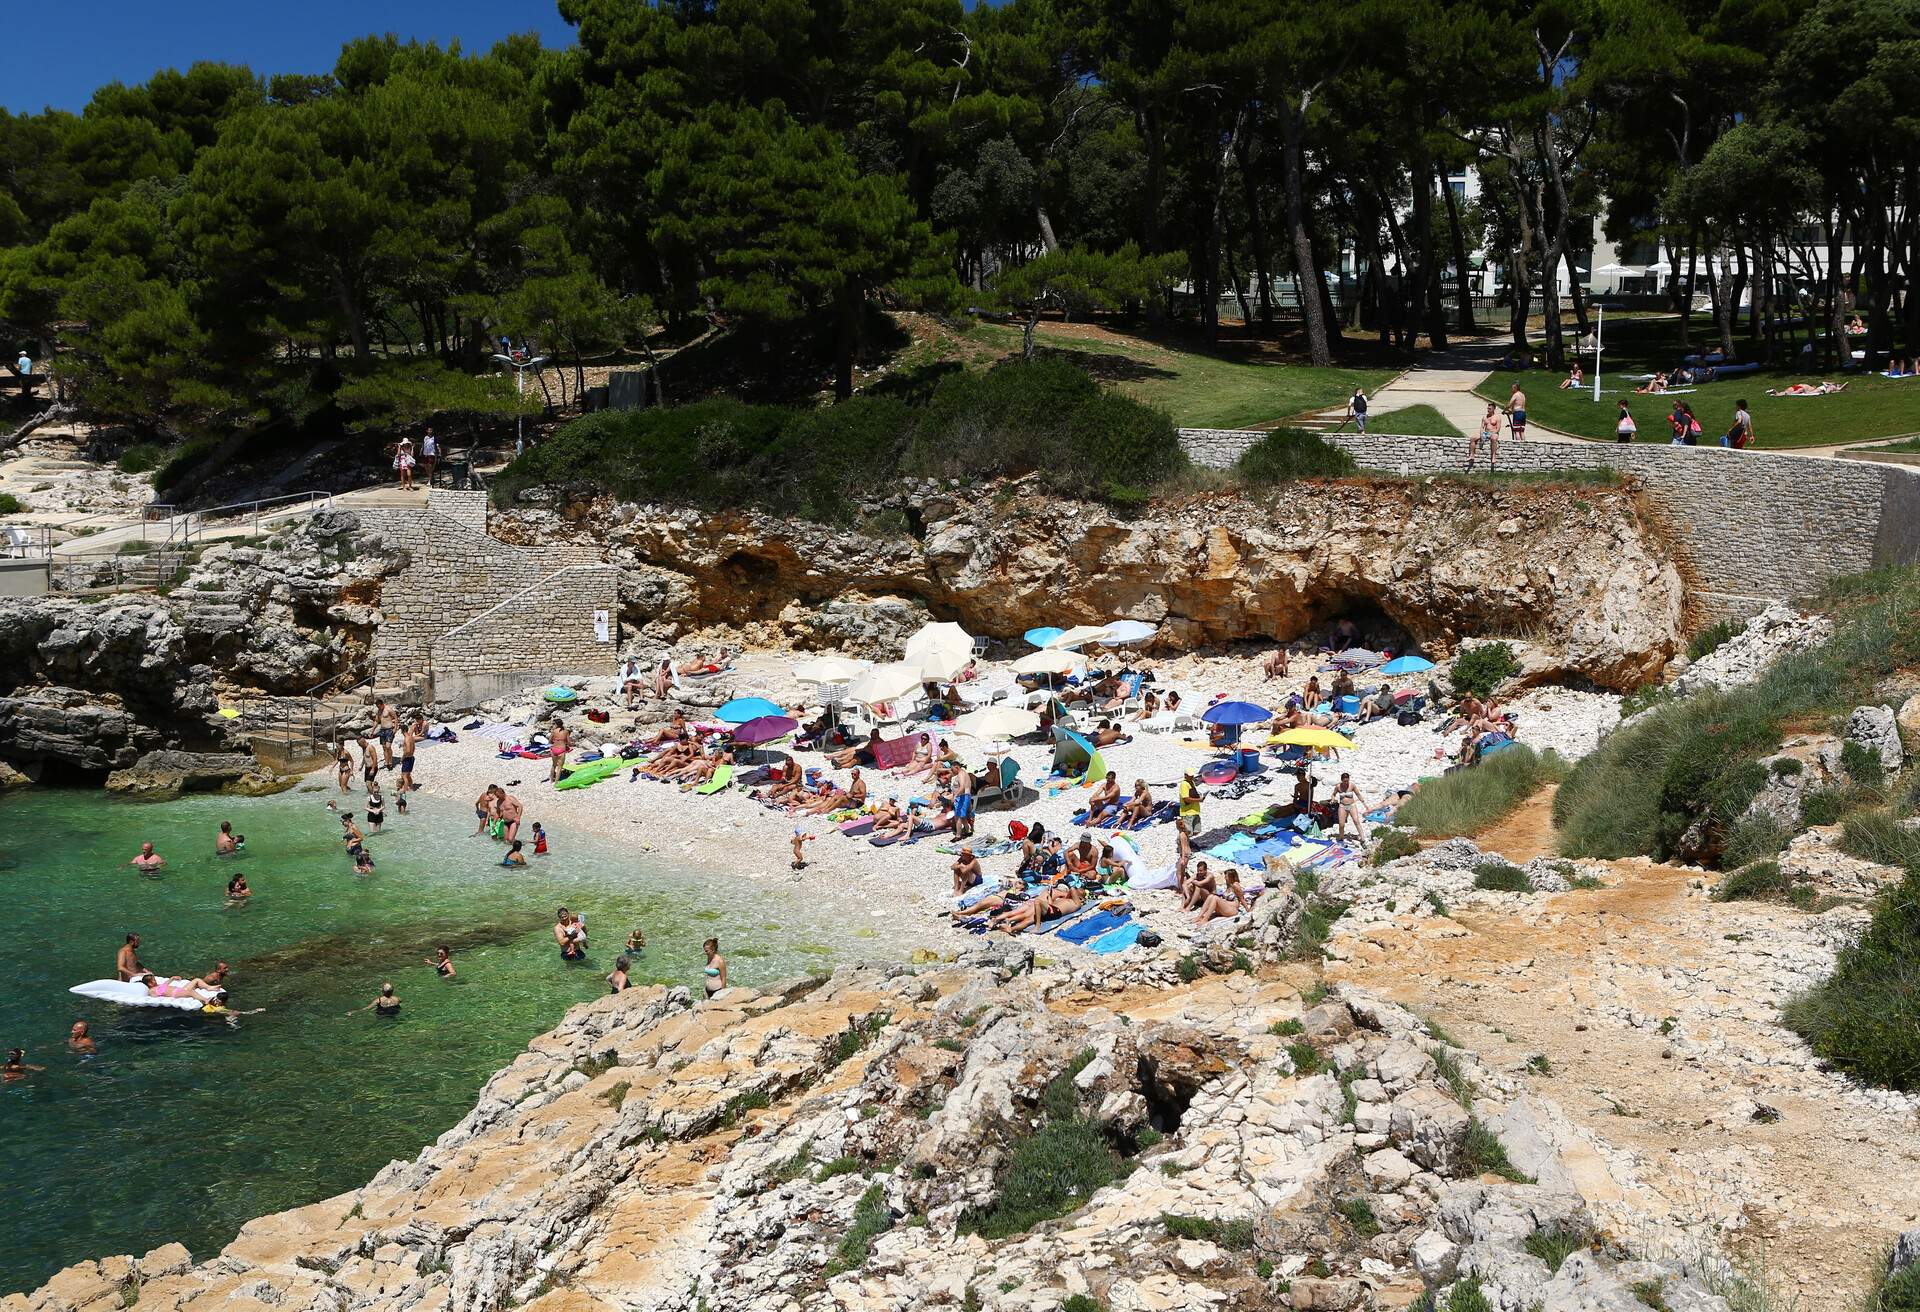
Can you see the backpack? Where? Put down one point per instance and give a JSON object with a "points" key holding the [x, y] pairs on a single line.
{"points": [[1409, 717]]}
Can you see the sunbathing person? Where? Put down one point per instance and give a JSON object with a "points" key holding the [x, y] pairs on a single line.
{"points": [[1048, 905], [784, 784], [675, 732], [889, 821], [1149, 706], [922, 758], [1196, 888], [1108, 734], [1229, 902], [1040, 861], [1379, 705], [966, 871], [1574, 379], [854, 755], [705, 771], [1342, 685], [1138, 807], [1105, 800], [1822, 388], [1312, 695], [1081, 859], [856, 790], [672, 759], [1658, 383], [831, 797]]}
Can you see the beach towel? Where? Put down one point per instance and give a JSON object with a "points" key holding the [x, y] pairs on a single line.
{"points": [[1092, 927], [721, 778], [861, 825], [1055, 926], [1118, 940], [891, 754], [496, 732], [973, 896]]}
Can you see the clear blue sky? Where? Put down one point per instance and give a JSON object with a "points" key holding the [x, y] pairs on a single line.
{"points": [[57, 53]]}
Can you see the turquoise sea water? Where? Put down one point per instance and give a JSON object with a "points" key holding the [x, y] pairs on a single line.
{"points": [[184, 1126]]}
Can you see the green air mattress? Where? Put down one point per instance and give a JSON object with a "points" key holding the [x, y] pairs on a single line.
{"points": [[593, 772]]}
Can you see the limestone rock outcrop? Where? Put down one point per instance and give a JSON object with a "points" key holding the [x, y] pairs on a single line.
{"points": [[1584, 569], [981, 1136]]}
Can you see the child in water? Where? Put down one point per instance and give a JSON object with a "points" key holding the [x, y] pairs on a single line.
{"points": [[514, 856], [539, 841], [363, 862]]}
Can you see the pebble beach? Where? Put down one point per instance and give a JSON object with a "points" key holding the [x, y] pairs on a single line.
{"points": [[907, 887]]}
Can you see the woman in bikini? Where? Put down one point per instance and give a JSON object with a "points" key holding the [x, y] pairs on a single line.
{"points": [[1351, 806], [442, 962], [714, 973], [1229, 902], [1138, 807], [1050, 904]]}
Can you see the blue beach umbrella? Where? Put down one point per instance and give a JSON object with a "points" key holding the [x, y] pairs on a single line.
{"points": [[1042, 636], [742, 709], [1407, 665], [1235, 713]]}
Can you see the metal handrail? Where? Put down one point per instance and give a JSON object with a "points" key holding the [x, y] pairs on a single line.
{"points": [[193, 521]]}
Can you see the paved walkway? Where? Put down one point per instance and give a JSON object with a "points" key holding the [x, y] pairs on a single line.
{"points": [[1446, 381]]}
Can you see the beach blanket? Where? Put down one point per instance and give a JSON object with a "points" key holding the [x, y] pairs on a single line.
{"points": [[1092, 927], [1118, 940], [974, 896], [862, 825], [722, 777], [500, 733], [891, 754]]}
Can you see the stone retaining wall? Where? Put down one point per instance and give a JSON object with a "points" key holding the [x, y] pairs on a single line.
{"points": [[1748, 527], [537, 603], [543, 632]]}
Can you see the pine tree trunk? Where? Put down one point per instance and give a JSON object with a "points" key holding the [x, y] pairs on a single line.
{"points": [[1312, 288]]}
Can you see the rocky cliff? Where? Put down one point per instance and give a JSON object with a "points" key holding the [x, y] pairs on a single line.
{"points": [[979, 1136], [1440, 560], [92, 686]]}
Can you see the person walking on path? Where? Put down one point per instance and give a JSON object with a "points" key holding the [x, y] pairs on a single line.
{"points": [[1490, 434], [403, 463], [1357, 409], [1624, 428], [1517, 414], [1740, 436]]}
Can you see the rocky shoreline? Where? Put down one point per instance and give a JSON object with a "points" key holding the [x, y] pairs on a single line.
{"points": [[897, 1139]]}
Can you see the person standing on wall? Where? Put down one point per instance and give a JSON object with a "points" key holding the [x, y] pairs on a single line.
{"points": [[429, 455], [1517, 414]]}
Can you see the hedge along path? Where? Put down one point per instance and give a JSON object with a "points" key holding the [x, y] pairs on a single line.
{"points": [[1660, 1120]]}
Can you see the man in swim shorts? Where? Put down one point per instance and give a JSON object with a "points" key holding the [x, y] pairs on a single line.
{"points": [[149, 861], [385, 721], [963, 802], [127, 963], [409, 743], [510, 812], [1517, 413], [966, 870]]}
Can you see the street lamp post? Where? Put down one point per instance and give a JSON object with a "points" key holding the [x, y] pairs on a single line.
{"points": [[519, 368]]}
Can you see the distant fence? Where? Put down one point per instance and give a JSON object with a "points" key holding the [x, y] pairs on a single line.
{"points": [[1749, 527]]}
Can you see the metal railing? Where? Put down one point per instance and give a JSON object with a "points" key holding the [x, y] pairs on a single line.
{"points": [[182, 528]]}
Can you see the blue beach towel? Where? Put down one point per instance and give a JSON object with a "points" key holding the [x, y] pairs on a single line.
{"points": [[1119, 940], [1092, 927]]}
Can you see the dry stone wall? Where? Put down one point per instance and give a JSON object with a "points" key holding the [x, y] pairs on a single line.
{"points": [[1749, 527], [536, 603]]}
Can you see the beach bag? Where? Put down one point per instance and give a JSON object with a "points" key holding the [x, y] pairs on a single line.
{"points": [[1408, 717], [598, 717]]}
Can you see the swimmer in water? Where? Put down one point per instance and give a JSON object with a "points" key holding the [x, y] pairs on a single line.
{"points": [[539, 840], [363, 862], [224, 843], [16, 1068], [442, 962], [376, 806], [149, 861], [350, 835], [618, 982], [514, 857], [570, 932], [237, 890], [79, 1039], [127, 964], [387, 1004], [637, 943]]}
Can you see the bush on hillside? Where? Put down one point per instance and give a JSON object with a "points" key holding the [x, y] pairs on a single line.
{"points": [[1692, 760], [140, 457], [1050, 418], [1479, 670], [1046, 418], [1289, 453], [1758, 880], [1467, 801], [1712, 638], [1865, 1017], [181, 460], [9, 504]]}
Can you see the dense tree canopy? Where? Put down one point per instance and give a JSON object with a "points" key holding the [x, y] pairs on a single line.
{"points": [[209, 250]]}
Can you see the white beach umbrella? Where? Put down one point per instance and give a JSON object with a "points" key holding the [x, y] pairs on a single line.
{"points": [[830, 669], [1120, 633], [1079, 635], [884, 683], [993, 722], [1050, 660], [942, 650]]}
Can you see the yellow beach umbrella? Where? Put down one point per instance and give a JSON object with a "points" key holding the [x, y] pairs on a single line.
{"points": [[1320, 738]]}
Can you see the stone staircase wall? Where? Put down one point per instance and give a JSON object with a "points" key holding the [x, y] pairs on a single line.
{"points": [[539, 601], [1747, 527]]}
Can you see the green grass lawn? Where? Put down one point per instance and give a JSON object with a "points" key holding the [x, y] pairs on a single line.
{"points": [[1870, 407], [1414, 421], [1200, 389]]}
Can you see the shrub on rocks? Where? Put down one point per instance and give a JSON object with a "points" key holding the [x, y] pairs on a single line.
{"points": [[1761, 879], [1286, 454], [1502, 878], [1468, 801], [1479, 670]]}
